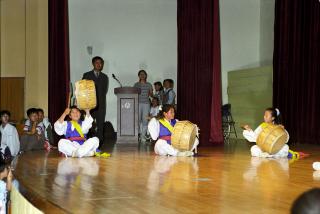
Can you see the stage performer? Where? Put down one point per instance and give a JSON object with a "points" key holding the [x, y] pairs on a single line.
{"points": [[160, 129], [75, 143], [271, 116]]}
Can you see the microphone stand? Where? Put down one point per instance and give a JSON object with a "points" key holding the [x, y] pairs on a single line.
{"points": [[114, 77]]}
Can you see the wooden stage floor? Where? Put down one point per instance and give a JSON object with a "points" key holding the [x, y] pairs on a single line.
{"points": [[222, 179]]}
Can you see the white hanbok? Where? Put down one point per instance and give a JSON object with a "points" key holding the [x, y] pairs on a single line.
{"points": [[73, 148], [162, 147], [252, 136], [10, 139]]}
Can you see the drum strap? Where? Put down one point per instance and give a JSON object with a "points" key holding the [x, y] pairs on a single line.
{"points": [[166, 124], [77, 126], [264, 125]]}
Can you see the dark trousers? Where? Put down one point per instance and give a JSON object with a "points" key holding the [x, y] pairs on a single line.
{"points": [[99, 116]]}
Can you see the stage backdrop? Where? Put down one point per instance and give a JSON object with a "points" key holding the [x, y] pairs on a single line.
{"points": [[130, 35], [297, 68], [58, 58], [199, 72]]}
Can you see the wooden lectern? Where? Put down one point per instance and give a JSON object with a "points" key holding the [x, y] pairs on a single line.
{"points": [[127, 114]]}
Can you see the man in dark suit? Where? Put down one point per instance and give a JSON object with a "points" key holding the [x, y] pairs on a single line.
{"points": [[101, 81]]}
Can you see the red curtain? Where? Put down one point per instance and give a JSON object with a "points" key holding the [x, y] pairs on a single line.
{"points": [[199, 72], [297, 68], [59, 69]]}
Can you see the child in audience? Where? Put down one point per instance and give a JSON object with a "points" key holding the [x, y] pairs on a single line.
{"points": [[307, 203], [158, 91], [33, 132], [47, 129], [160, 129], [4, 187], [6, 183], [144, 103], [271, 116], [10, 144], [169, 96], [154, 110], [75, 143]]}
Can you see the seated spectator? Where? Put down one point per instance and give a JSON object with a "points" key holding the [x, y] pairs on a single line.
{"points": [[169, 96], [10, 144], [33, 133], [47, 127], [307, 203], [6, 183]]}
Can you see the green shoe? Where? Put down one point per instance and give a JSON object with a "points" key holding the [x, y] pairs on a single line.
{"points": [[102, 154]]}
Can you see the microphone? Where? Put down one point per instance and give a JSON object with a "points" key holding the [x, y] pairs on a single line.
{"points": [[114, 77]]}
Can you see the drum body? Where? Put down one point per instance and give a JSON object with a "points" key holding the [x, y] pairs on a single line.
{"points": [[272, 138], [86, 94], [183, 135]]}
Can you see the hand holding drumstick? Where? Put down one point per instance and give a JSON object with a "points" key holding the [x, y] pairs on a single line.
{"points": [[246, 127], [87, 112], [64, 114]]}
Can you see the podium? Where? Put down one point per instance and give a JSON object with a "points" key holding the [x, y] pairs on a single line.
{"points": [[127, 114]]}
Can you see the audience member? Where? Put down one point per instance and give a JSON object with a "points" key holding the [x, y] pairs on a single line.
{"points": [[307, 203], [169, 96], [10, 144], [33, 132], [144, 103]]}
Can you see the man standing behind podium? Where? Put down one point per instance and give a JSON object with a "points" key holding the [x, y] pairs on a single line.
{"points": [[101, 81]]}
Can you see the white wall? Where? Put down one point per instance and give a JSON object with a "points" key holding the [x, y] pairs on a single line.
{"points": [[266, 32], [246, 36], [240, 31], [129, 35]]}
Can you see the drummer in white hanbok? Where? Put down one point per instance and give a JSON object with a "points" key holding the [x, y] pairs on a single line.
{"points": [[271, 116], [160, 129], [76, 143]]}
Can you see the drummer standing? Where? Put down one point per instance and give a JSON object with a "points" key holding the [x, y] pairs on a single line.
{"points": [[101, 81]]}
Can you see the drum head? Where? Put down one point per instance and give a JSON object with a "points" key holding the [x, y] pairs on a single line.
{"points": [[183, 135]]}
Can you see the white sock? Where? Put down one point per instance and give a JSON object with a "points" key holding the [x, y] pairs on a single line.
{"points": [[186, 153], [316, 165]]}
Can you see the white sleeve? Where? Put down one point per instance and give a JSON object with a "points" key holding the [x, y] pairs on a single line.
{"points": [[154, 128], [252, 136], [86, 124], [14, 144], [46, 122], [257, 131], [60, 128], [10, 139]]}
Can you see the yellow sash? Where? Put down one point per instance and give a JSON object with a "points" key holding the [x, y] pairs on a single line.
{"points": [[77, 126], [166, 124], [264, 125]]}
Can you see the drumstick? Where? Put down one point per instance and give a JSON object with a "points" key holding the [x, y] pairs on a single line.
{"points": [[70, 95]]}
